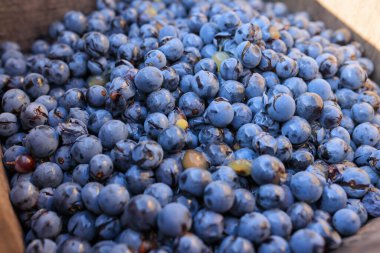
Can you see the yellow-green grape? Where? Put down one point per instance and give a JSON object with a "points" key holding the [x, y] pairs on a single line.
{"points": [[96, 80], [158, 24], [218, 57], [193, 158], [151, 11], [182, 123], [274, 33], [236, 146], [241, 166]]}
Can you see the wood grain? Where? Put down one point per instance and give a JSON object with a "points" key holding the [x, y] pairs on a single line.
{"points": [[366, 241], [24, 21]]}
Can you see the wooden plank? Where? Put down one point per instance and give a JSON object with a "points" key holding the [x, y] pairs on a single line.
{"points": [[24, 21], [366, 241], [11, 237]]}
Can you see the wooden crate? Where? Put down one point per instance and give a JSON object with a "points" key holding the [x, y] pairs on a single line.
{"points": [[24, 21]]}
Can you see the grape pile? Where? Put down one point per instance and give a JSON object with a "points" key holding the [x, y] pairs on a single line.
{"points": [[190, 127]]}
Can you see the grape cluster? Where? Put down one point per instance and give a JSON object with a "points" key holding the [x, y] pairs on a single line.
{"points": [[190, 127]]}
